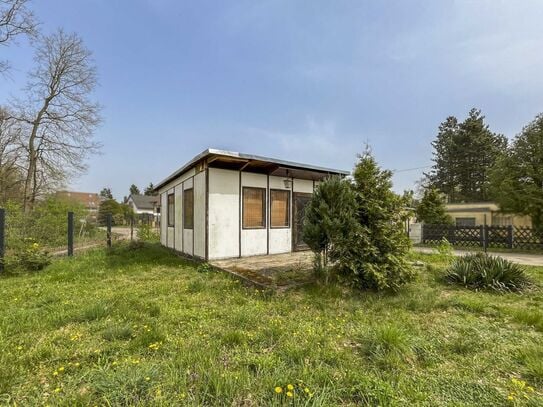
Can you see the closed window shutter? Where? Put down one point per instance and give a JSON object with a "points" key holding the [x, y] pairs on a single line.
{"points": [[279, 211], [188, 208], [171, 209], [253, 207]]}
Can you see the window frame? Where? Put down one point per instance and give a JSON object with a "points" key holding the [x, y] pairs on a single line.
{"points": [[287, 226], [464, 218], [171, 211], [185, 208], [264, 209]]}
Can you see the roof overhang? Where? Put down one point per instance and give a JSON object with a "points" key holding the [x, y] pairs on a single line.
{"points": [[253, 163]]}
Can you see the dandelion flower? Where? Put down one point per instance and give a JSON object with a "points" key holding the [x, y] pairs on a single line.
{"points": [[290, 387], [306, 390], [58, 390], [289, 394], [278, 390]]}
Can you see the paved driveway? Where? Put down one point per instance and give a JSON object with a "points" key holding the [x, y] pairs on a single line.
{"points": [[520, 258]]}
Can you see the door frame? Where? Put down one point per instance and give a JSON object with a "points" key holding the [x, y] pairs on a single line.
{"points": [[295, 232]]}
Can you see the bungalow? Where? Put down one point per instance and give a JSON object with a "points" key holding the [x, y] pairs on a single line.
{"points": [[484, 213], [224, 204], [145, 207]]}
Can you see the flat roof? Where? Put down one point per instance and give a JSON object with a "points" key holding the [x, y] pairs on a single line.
{"points": [[248, 158]]}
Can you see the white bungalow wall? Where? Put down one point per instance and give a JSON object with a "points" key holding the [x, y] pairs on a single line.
{"points": [[223, 213], [188, 241], [199, 236]]}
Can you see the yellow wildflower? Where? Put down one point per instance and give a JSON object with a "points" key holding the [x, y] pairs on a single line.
{"points": [[278, 390], [289, 394], [290, 387]]}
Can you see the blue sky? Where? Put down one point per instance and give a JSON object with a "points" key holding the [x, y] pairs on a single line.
{"points": [[309, 81]]}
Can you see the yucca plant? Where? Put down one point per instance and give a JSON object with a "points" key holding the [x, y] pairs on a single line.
{"points": [[483, 272]]}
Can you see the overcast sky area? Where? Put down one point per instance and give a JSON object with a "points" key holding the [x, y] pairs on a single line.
{"points": [[309, 81]]}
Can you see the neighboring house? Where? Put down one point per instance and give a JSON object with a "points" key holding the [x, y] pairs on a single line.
{"points": [[144, 205], [90, 200], [224, 204], [481, 213]]}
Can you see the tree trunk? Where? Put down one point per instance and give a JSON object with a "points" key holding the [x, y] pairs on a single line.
{"points": [[30, 180]]}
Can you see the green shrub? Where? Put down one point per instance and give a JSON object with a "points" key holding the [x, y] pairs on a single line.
{"points": [[29, 256], [483, 272], [359, 225], [445, 251], [147, 234], [330, 217], [204, 268]]}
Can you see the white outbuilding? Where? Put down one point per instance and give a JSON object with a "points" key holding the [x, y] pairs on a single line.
{"points": [[224, 204]]}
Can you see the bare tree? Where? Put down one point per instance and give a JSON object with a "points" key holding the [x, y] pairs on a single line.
{"points": [[59, 116], [11, 172], [16, 19]]}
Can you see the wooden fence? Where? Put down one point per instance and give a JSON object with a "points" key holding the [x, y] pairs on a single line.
{"points": [[508, 237]]}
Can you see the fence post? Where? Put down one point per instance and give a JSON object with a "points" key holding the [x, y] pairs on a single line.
{"points": [[131, 227], [452, 234], [510, 236], [482, 236], [108, 227], [70, 233], [2, 237], [485, 234]]}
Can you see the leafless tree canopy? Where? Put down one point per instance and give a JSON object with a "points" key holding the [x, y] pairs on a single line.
{"points": [[15, 20], [11, 172], [58, 117]]}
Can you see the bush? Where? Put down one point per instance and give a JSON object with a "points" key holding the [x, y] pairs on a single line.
{"points": [[147, 234], [330, 217], [445, 251], [359, 226], [374, 256], [205, 268], [46, 225], [29, 256], [483, 272]]}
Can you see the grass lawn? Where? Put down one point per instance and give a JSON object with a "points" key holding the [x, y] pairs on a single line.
{"points": [[142, 326]]}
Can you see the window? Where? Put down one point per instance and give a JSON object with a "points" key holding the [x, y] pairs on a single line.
{"points": [[279, 208], [465, 221], [501, 220], [188, 208], [171, 209], [254, 208]]}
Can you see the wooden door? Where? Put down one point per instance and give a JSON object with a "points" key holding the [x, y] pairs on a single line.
{"points": [[300, 200]]}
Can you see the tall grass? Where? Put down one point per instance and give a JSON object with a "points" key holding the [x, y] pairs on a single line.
{"points": [[137, 325]]}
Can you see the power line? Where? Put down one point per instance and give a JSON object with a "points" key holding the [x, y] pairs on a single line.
{"points": [[412, 169]]}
